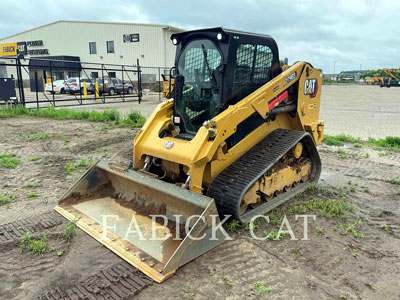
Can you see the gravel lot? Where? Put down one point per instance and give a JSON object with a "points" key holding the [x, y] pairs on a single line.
{"points": [[361, 110]]}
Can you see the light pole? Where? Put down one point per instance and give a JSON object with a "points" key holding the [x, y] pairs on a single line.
{"points": [[334, 66]]}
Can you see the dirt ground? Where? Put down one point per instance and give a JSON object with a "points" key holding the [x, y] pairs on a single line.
{"points": [[329, 265]]}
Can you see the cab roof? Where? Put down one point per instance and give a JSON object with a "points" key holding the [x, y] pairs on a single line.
{"points": [[215, 30]]}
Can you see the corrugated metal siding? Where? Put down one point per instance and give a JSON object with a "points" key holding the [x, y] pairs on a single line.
{"points": [[72, 38]]}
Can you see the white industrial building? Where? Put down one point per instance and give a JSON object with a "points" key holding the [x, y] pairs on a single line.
{"points": [[101, 42]]}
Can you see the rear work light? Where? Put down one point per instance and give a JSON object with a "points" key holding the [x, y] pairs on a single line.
{"points": [[54, 85], [74, 83]]}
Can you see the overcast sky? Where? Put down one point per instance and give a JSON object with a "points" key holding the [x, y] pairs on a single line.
{"points": [[353, 33]]}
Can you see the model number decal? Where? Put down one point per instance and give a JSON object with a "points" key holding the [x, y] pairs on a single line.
{"points": [[291, 77], [168, 145], [311, 87]]}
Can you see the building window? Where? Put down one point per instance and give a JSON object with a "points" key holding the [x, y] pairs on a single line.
{"points": [[92, 48], [111, 74], [110, 47], [95, 75]]}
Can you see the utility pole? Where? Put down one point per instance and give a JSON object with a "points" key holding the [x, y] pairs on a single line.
{"points": [[334, 69]]}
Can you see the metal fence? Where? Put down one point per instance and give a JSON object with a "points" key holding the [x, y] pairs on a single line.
{"points": [[152, 78], [66, 81]]}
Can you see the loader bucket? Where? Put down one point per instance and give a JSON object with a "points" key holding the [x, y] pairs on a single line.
{"points": [[118, 208]]}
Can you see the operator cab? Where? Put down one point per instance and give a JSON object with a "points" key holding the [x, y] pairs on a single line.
{"points": [[215, 68]]}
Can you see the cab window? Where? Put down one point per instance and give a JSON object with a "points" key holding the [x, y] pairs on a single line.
{"points": [[252, 70]]}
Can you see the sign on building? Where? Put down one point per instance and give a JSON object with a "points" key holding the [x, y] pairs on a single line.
{"points": [[8, 49], [21, 48], [131, 38], [12, 49]]}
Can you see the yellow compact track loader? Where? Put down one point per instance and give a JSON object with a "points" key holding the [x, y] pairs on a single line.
{"points": [[237, 139]]}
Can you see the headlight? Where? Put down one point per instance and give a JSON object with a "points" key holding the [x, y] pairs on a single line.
{"points": [[219, 36], [175, 41]]}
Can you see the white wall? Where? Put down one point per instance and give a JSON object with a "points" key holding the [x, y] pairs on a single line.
{"points": [[154, 49]]}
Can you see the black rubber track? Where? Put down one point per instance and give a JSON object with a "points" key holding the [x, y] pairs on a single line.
{"points": [[229, 187], [14, 230], [121, 281]]}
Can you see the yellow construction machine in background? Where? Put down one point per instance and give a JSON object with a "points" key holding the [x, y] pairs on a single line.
{"points": [[168, 86]]}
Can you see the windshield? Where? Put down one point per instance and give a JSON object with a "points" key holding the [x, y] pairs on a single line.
{"points": [[200, 97]]}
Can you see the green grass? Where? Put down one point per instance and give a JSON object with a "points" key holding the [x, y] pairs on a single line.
{"points": [[35, 135], [9, 161], [34, 158], [5, 198], [319, 229], [82, 164], [229, 281], [337, 140], [330, 208], [36, 246], [70, 231], [274, 235], [132, 119], [261, 289], [395, 180], [389, 142], [384, 227], [344, 230], [32, 194], [31, 185], [234, 225], [329, 202]]}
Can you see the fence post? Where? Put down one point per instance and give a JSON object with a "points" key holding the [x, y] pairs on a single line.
{"points": [[36, 89], [139, 81], [51, 81], [159, 85], [79, 85], [123, 84], [20, 82], [104, 90]]}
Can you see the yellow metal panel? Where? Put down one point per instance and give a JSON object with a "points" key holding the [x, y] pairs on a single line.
{"points": [[9, 49], [202, 151]]}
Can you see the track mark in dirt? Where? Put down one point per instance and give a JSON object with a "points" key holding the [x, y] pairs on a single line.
{"points": [[28, 266], [12, 231], [121, 281], [386, 220]]}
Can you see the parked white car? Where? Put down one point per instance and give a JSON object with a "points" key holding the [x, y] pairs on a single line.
{"points": [[58, 87]]}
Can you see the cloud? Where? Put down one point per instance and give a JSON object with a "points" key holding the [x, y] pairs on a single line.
{"points": [[353, 33]]}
